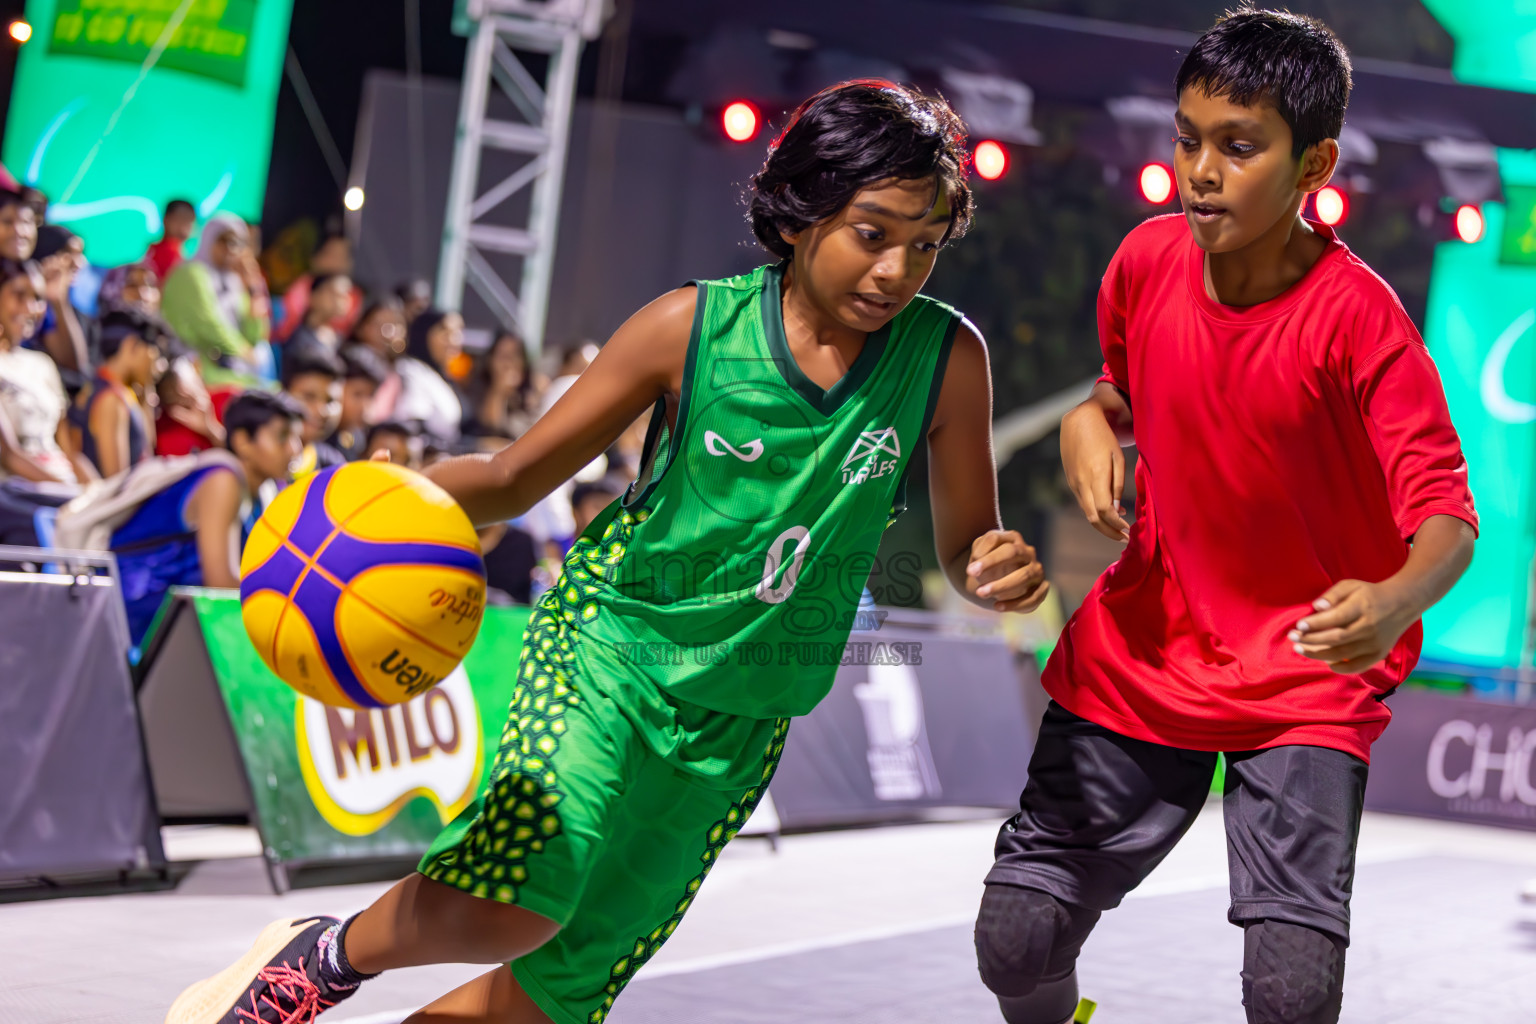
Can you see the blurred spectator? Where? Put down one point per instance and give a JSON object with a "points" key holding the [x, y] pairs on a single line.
{"points": [[589, 499], [550, 520], [18, 227], [190, 533], [624, 455], [167, 254], [511, 556], [365, 371], [501, 393], [333, 256], [188, 419], [382, 329], [573, 361], [132, 286], [35, 199], [60, 255], [428, 394], [35, 442], [215, 302], [329, 299], [394, 438], [116, 433], [415, 295], [312, 378]]}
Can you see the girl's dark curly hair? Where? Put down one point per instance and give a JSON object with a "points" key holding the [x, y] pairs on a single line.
{"points": [[847, 137]]}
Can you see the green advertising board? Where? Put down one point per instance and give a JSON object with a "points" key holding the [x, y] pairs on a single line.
{"points": [[1481, 328], [331, 784], [121, 105]]}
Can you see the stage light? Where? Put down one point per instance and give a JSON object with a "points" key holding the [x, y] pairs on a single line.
{"points": [[1332, 205], [991, 160], [1469, 223], [740, 121], [20, 31], [1156, 184], [354, 198]]}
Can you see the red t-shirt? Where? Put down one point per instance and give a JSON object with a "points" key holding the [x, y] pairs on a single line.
{"points": [[164, 256], [1281, 447]]}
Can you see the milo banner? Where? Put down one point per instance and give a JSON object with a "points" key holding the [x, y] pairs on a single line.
{"points": [[1456, 757], [321, 784]]}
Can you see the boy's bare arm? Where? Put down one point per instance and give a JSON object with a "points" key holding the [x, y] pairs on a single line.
{"points": [[1357, 623], [991, 566], [641, 362], [1092, 436]]}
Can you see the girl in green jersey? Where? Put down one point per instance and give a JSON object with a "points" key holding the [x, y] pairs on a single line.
{"points": [[706, 607]]}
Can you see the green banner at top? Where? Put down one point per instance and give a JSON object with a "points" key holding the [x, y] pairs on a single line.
{"points": [[201, 37]]}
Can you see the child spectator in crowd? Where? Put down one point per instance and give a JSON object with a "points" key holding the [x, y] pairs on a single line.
{"points": [[116, 433], [428, 394], [394, 439], [188, 418], [589, 499], [18, 227], [60, 255], [132, 286], [167, 254], [365, 371], [191, 533], [415, 295], [35, 442], [381, 328], [312, 378], [502, 394], [215, 302], [334, 256], [329, 300]]}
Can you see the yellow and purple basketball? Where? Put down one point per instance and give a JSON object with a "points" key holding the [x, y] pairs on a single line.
{"points": [[362, 585]]}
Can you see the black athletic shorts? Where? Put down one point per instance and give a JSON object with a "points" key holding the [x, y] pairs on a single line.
{"points": [[1101, 810]]}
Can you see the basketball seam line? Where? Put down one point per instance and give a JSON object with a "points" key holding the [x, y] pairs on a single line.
{"points": [[310, 563]]}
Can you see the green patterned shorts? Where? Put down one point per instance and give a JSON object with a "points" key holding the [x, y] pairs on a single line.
{"points": [[581, 822]]}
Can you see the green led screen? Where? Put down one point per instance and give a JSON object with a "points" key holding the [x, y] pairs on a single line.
{"points": [[1481, 328], [110, 142]]}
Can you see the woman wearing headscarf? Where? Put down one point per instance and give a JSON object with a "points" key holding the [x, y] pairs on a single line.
{"points": [[434, 344], [216, 302], [132, 287]]}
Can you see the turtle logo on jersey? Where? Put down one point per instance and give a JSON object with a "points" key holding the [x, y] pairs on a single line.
{"points": [[864, 461], [749, 453]]}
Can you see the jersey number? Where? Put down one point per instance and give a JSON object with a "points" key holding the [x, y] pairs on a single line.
{"points": [[766, 591]]}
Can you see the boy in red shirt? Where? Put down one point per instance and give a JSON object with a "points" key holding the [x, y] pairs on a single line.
{"points": [[1301, 500]]}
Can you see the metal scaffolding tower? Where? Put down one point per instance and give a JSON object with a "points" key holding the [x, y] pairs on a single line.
{"points": [[484, 234]]}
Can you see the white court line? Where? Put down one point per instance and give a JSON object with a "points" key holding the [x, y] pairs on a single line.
{"points": [[1172, 887]]}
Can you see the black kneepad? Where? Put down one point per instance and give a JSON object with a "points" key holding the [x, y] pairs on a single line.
{"points": [[1292, 974], [1025, 937]]}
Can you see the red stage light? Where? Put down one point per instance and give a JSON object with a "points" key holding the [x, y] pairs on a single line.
{"points": [[1156, 184], [991, 160], [1469, 223], [1332, 205], [20, 31], [740, 121]]}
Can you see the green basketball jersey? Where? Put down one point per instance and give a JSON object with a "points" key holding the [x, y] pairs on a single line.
{"points": [[729, 575]]}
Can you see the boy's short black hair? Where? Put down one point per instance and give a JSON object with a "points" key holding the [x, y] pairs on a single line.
{"points": [[251, 410], [179, 206], [1290, 61], [604, 486], [387, 427], [848, 137], [9, 199], [321, 280], [300, 360], [120, 325], [363, 363]]}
